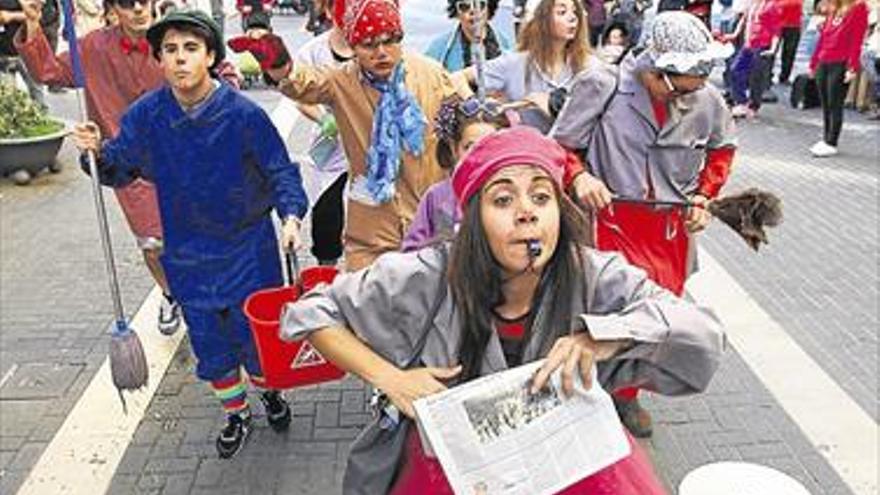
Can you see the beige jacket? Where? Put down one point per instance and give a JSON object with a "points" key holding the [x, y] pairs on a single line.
{"points": [[372, 229]]}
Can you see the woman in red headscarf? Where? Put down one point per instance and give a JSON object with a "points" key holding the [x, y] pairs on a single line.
{"points": [[496, 301], [380, 101]]}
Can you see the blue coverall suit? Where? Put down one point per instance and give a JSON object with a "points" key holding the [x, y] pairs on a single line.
{"points": [[219, 171]]}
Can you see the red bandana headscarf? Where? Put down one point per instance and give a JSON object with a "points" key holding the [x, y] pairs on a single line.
{"points": [[365, 19]]}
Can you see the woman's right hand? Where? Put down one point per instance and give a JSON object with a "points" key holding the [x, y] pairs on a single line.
{"points": [[87, 137], [591, 191], [403, 387]]}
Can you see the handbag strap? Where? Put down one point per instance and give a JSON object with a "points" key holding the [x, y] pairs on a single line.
{"points": [[429, 322]]}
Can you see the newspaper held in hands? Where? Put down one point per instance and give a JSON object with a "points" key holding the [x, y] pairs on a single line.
{"points": [[493, 437]]}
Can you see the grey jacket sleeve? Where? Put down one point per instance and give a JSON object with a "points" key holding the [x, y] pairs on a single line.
{"points": [[385, 304], [723, 129], [588, 98], [677, 345]]}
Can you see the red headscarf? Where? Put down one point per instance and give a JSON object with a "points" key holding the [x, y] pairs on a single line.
{"points": [[520, 145], [364, 19]]}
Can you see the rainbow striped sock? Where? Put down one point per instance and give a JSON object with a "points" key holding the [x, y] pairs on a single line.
{"points": [[232, 392]]}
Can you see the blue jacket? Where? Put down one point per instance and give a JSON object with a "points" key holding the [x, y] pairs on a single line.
{"points": [[219, 172], [447, 49]]}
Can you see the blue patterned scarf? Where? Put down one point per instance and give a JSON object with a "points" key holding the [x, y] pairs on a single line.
{"points": [[398, 121]]}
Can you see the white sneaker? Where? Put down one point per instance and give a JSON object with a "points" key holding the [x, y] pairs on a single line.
{"points": [[823, 149], [742, 112], [169, 315]]}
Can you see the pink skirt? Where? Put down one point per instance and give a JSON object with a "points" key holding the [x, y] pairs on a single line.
{"points": [[633, 475], [141, 208]]}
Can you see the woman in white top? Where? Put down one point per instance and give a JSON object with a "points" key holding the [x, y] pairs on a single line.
{"points": [[325, 179], [552, 48]]}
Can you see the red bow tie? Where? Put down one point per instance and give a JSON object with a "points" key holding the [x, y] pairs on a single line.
{"points": [[128, 45]]}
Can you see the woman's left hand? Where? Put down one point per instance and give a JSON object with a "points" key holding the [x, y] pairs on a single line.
{"points": [[849, 75], [570, 352], [698, 217]]}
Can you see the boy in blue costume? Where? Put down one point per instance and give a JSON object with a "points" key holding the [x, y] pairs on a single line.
{"points": [[220, 167]]}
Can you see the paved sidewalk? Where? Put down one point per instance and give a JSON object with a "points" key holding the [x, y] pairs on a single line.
{"points": [[55, 308]]}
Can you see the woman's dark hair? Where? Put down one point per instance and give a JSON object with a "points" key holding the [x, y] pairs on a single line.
{"points": [[452, 9], [475, 279], [616, 25], [449, 123]]}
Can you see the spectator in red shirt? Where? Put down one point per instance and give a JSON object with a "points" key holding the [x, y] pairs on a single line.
{"points": [[792, 15], [835, 63], [751, 66]]}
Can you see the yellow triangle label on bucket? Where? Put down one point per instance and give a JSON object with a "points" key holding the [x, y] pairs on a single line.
{"points": [[307, 356]]}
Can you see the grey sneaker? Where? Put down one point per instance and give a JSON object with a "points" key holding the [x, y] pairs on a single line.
{"points": [[169, 315]]}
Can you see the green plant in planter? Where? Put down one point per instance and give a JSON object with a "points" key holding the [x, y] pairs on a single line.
{"points": [[20, 117]]}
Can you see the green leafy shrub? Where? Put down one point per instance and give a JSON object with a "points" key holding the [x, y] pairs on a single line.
{"points": [[20, 117]]}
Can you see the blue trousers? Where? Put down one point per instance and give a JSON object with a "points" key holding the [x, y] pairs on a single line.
{"points": [[750, 71], [221, 341]]}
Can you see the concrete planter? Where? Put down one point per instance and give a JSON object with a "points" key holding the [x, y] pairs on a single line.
{"points": [[23, 158]]}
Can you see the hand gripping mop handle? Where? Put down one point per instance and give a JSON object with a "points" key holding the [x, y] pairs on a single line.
{"points": [[103, 225]]}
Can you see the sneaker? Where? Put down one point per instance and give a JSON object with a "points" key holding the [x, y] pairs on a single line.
{"points": [[823, 149], [277, 410], [169, 315], [742, 112], [636, 419], [233, 435]]}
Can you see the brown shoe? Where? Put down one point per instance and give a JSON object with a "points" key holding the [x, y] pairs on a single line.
{"points": [[636, 419]]}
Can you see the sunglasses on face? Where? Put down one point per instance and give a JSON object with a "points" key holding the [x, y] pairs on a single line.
{"points": [[675, 91], [472, 106], [375, 43], [465, 6]]}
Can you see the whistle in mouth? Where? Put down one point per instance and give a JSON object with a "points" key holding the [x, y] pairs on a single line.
{"points": [[534, 248]]}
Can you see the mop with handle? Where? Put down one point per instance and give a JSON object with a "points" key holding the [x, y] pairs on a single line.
{"points": [[747, 212], [128, 364]]}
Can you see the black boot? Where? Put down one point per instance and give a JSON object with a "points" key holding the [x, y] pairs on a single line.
{"points": [[277, 410], [636, 418], [233, 435]]}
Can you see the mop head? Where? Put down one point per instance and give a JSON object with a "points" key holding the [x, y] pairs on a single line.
{"points": [[748, 213], [128, 364]]}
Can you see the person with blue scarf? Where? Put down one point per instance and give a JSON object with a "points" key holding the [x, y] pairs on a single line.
{"points": [[453, 49], [382, 100]]}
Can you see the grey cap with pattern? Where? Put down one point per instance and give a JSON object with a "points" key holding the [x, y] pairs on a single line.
{"points": [[680, 43]]}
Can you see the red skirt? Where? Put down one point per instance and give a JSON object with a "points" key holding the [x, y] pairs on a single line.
{"points": [[632, 475], [654, 239]]}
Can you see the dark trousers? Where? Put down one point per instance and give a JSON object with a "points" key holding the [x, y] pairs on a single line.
{"points": [[750, 70], [832, 93], [791, 36], [596, 34], [328, 218]]}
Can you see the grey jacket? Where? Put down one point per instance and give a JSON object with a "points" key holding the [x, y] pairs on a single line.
{"points": [[676, 345], [610, 114]]}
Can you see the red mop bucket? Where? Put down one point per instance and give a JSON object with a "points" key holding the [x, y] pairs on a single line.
{"points": [[288, 364], [650, 234]]}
